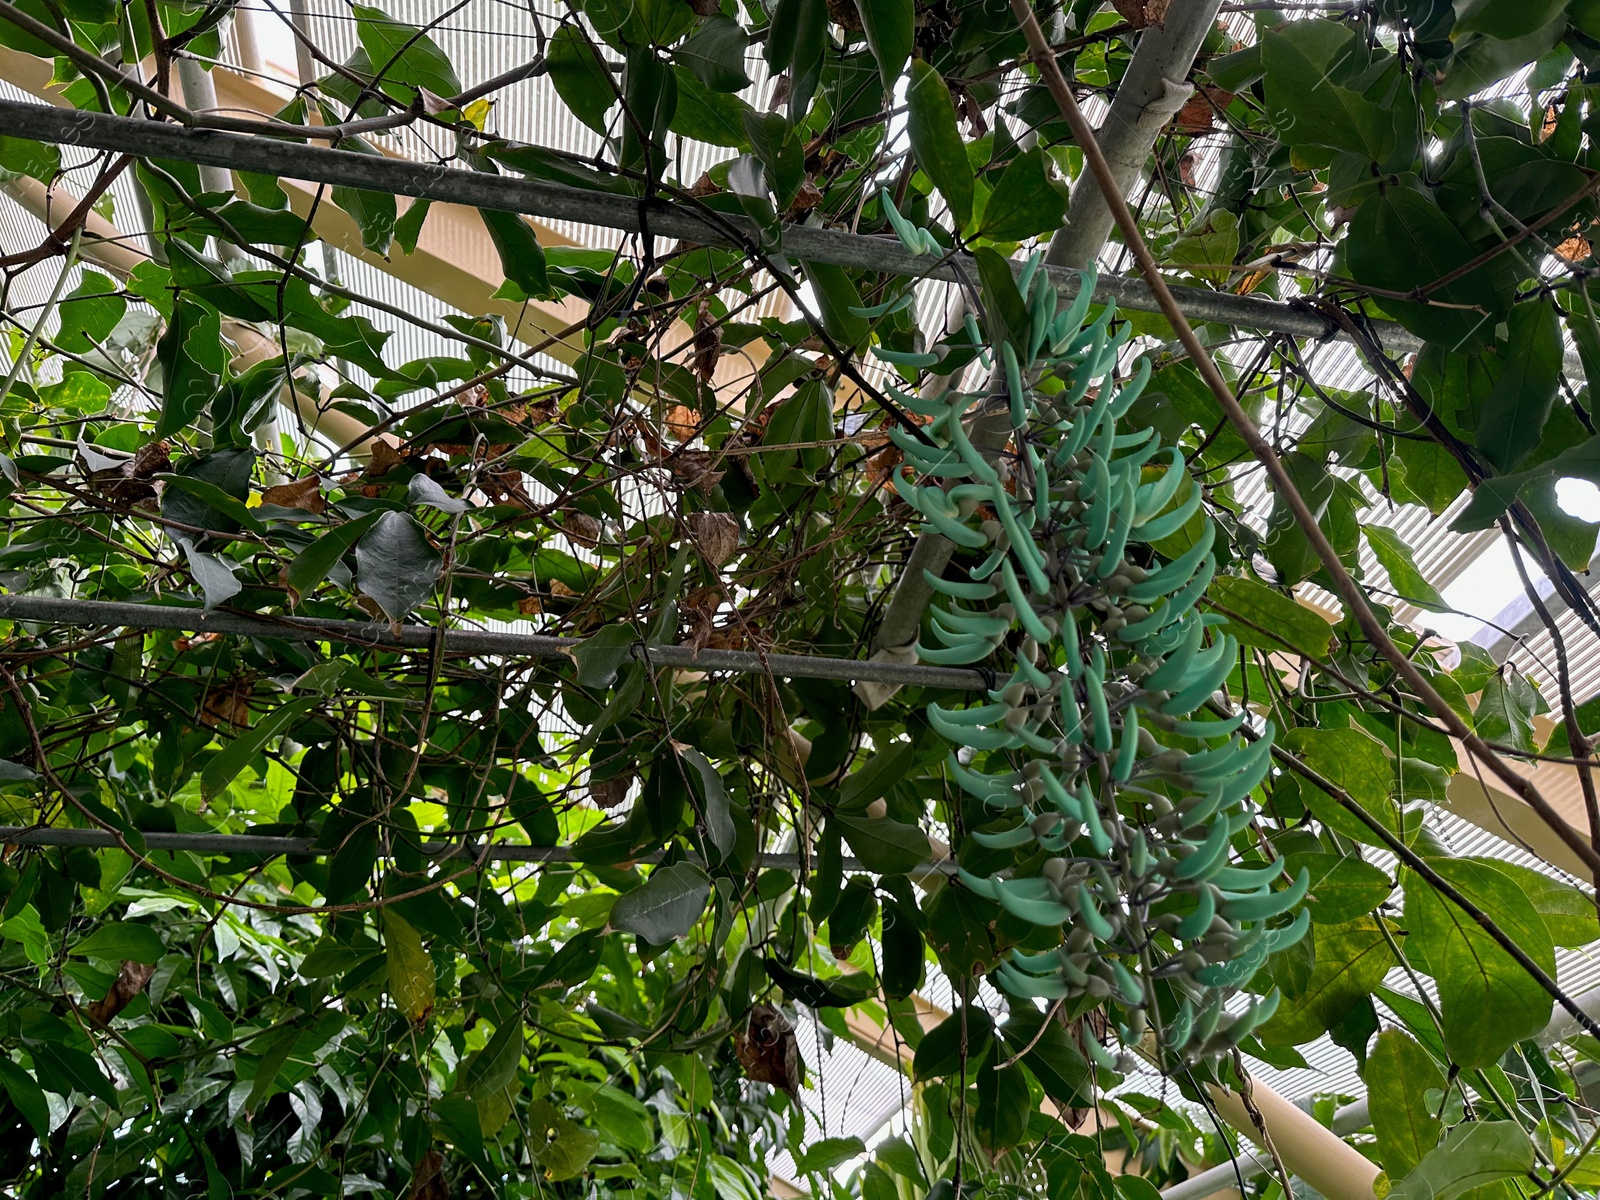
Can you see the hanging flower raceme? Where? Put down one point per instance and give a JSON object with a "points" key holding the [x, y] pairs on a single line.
{"points": [[1123, 790]]}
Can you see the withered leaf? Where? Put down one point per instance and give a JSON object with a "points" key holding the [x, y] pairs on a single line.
{"points": [[769, 1052], [715, 534], [305, 494]]}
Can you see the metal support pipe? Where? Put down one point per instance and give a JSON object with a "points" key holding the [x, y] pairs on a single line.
{"points": [[436, 849], [379, 635], [273, 156]]}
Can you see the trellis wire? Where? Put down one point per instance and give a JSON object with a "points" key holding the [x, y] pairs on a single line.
{"points": [[269, 155], [434, 848], [378, 635]]}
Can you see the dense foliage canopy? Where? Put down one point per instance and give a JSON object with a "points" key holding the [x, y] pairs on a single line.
{"points": [[559, 922]]}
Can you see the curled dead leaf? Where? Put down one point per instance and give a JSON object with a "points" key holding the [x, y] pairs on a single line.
{"points": [[530, 606], [608, 793], [130, 981], [682, 422], [693, 469], [581, 528], [562, 591], [1575, 249], [769, 1052], [230, 702], [716, 535], [304, 494]]}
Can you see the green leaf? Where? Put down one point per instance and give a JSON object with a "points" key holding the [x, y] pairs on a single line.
{"points": [[493, 1068], [626, 1122], [1351, 960], [408, 228], [1493, 496], [412, 983], [24, 927], [1304, 62], [63, 1070], [1276, 621], [26, 1094], [1399, 1076], [1395, 557], [311, 566], [1399, 240], [714, 800], [220, 771], [1472, 1155], [377, 213], [1529, 368], [1343, 888], [1506, 709], [903, 951], [666, 906], [396, 565], [1506, 21], [884, 846], [580, 78], [797, 40], [403, 56], [521, 256], [22, 156], [940, 1052], [712, 117], [827, 1153], [1001, 1117], [216, 579], [1049, 1053], [1568, 913], [1487, 1001], [562, 1146], [1024, 202], [192, 360], [852, 916], [1354, 762], [890, 26], [836, 295], [115, 941], [601, 655], [715, 53], [937, 142], [1432, 473]]}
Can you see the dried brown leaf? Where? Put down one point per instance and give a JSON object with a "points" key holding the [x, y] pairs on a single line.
{"points": [[769, 1052], [715, 534], [305, 494]]}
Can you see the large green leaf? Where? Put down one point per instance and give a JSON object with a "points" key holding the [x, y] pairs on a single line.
{"points": [[884, 846], [1506, 709], [26, 1095], [1025, 201], [666, 906], [1400, 1077], [404, 56], [1473, 1155], [396, 565], [1405, 578], [221, 770], [1351, 960], [116, 941], [1400, 241], [521, 256], [890, 26], [1275, 621], [1487, 1001], [715, 53], [580, 78], [1343, 888], [937, 142], [1528, 369], [1305, 62]]}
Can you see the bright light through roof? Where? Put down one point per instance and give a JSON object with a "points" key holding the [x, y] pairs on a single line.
{"points": [[1481, 592], [1579, 497]]}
